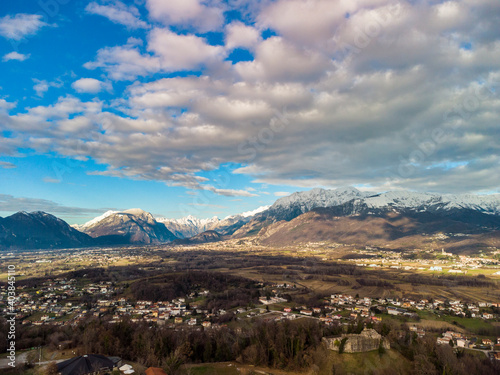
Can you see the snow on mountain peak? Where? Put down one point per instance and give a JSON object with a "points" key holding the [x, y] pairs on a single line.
{"points": [[94, 221], [252, 213], [308, 200]]}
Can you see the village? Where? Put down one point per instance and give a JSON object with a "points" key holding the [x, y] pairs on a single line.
{"points": [[50, 304]]}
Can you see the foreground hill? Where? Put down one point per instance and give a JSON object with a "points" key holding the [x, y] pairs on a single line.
{"points": [[133, 226], [39, 230]]}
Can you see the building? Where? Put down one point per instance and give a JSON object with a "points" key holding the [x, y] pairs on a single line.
{"points": [[443, 340], [395, 311], [91, 364]]}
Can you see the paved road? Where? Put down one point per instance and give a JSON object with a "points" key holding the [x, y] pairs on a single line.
{"points": [[20, 359]]}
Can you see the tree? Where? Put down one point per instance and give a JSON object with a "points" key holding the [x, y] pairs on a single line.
{"points": [[342, 345], [381, 349]]}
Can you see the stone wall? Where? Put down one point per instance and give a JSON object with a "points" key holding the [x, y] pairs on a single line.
{"points": [[366, 341]]}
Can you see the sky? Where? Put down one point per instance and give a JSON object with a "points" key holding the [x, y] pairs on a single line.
{"points": [[212, 108]]}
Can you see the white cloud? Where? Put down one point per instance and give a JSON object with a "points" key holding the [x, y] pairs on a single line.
{"points": [[182, 52], [281, 194], [15, 56], [188, 13], [20, 25], [42, 86], [88, 85], [307, 111], [120, 13], [240, 35], [279, 60], [306, 22], [124, 63]]}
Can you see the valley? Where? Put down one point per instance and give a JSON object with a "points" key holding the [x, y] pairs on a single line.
{"points": [[234, 286], [422, 271]]}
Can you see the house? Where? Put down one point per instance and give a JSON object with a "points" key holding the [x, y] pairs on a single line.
{"points": [[443, 340], [178, 320], [395, 311], [90, 364]]}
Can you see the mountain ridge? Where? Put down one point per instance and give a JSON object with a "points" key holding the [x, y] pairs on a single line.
{"points": [[39, 230], [134, 226], [466, 212]]}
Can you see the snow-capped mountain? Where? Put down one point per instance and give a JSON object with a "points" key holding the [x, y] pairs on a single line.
{"points": [[142, 227], [190, 226], [296, 204], [351, 216], [94, 221], [129, 226], [289, 207], [420, 202]]}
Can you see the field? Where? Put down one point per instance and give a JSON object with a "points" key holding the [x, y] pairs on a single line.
{"points": [[236, 276]]}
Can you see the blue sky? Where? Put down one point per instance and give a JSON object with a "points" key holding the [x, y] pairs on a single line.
{"points": [[213, 108]]}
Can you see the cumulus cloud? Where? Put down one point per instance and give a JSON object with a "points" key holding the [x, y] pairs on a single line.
{"points": [[118, 12], [125, 63], [18, 26], [15, 56], [240, 35], [42, 86], [279, 60], [362, 93], [182, 52], [170, 52], [88, 85], [188, 13]]}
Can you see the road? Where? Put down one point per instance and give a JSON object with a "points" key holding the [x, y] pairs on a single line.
{"points": [[20, 360]]}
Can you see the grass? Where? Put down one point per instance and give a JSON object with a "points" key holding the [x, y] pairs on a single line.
{"points": [[473, 325], [366, 363]]}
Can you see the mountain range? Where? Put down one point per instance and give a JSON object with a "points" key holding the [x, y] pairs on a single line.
{"points": [[346, 215], [190, 226]]}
